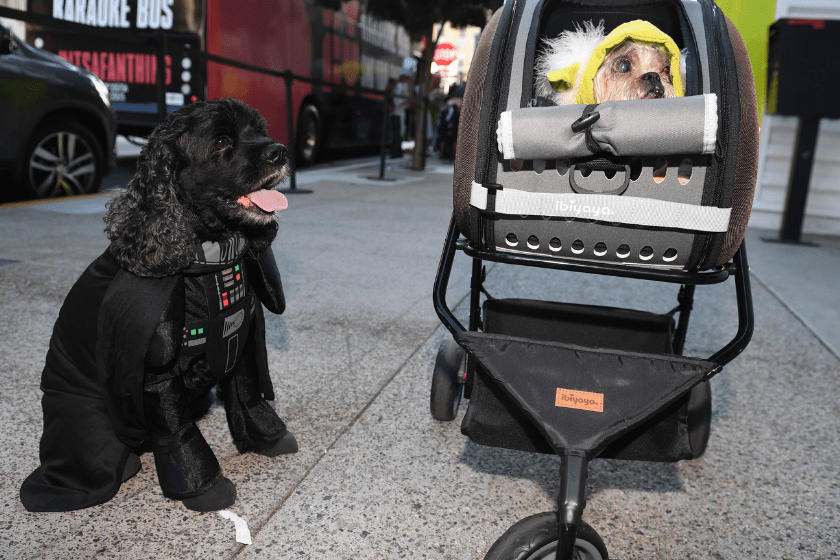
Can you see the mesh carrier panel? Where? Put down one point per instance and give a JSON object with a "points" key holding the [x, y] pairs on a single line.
{"points": [[465, 153], [746, 171]]}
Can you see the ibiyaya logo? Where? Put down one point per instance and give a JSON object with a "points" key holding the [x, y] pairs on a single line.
{"points": [[233, 322], [580, 400], [564, 208]]}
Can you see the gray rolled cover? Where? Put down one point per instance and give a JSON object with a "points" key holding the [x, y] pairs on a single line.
{"points": [[640, 127]]}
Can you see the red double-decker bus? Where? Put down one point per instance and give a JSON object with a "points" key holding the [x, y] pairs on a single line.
{"points": [[349, 56]]}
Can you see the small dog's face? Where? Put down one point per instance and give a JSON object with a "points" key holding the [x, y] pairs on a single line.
{"points": [[634, 71], [229, 159]]}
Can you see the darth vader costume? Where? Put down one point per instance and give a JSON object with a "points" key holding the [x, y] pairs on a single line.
{"points": [[129, 353]]}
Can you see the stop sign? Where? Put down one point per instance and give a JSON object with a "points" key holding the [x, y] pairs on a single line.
{"points": [[445, 54]]}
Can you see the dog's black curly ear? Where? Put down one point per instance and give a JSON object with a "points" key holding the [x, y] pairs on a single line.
{"points": [[149, 232]]}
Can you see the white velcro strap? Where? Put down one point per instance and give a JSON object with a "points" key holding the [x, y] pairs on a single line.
{"points": [[478, 196], [710, 124], [605, 208], [504, 135]]}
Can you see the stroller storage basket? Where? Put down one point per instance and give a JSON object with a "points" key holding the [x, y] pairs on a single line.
{"points": [[678, 432]]}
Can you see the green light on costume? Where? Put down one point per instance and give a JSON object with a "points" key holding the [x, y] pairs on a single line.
{"points": [[192, 332]]}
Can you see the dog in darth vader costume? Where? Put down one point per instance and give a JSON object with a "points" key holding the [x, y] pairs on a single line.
{"points": [[172, 308]]}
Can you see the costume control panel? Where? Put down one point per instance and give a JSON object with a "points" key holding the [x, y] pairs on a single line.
{"points": [[230, 283], [194, 337]]}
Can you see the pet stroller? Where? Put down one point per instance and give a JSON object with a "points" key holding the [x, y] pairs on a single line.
{"points": [[655, 189]]}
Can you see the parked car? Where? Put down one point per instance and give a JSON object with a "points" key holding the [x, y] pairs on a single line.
{"points": [[59, 129]]}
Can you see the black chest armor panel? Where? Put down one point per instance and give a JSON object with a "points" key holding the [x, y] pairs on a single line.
{"points": [[219, 304]]}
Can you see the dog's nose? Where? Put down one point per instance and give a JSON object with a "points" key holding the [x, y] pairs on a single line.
{"points": [[652, 78], [654, 82], [275, 153]]}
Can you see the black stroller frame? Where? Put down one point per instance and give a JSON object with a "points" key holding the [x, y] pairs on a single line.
{"points": [[589, 381], [574, 460]]}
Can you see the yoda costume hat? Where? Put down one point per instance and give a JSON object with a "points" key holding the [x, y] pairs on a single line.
{"points": [[586, 54]]}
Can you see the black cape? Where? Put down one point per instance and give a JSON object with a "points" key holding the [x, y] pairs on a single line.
{"points": [[93, 381]]}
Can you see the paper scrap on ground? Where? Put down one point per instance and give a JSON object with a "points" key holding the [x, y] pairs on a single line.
{"points": [[243, 535]]}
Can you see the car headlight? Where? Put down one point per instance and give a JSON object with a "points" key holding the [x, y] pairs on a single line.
{"points": [[101, 89]]}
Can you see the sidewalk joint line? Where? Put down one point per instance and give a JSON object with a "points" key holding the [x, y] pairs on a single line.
{"points": [[796, 314], [349, 426]]}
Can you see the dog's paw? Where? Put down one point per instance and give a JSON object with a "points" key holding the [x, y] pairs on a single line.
{"points": [[283, 446], [219, 496]]}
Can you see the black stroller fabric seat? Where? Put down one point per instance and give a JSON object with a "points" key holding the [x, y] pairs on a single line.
{"points": [[568, 339], [614, 391]]}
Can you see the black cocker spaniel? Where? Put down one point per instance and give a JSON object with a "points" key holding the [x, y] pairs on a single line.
{"points": [[171, 309]]}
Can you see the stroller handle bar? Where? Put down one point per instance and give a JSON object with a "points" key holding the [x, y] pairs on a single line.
{"points": [[738, 267]]}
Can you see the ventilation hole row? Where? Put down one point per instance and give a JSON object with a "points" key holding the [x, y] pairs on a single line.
{"points": [[660, 169], [600, 249]]}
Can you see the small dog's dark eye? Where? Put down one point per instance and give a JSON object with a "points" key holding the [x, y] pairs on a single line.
{"points": [[667, 72], [623, 65], [222, 143]]}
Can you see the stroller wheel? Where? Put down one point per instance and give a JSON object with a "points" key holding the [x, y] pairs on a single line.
{"points": [[700, 418], [446, 389], [535, 538]]}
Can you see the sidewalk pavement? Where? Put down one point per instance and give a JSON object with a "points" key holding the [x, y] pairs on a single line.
{"points": [[352, 359]]}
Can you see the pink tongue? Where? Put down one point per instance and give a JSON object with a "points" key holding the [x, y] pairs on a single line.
{"points": [[268, 201]]}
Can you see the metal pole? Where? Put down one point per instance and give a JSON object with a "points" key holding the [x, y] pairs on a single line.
{"points": [[686, 301], [442, 280], [385, 133], [571, 502], [476, 284], [424, 107], [385, 129], [746, 317], [800, 177], [291, 130]]}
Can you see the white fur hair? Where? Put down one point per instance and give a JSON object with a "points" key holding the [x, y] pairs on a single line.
{"points": [[562, 51]]}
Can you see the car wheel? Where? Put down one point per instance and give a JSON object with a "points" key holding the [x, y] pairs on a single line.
{"points": [[63, 158], [308, 138], [535, 538]]}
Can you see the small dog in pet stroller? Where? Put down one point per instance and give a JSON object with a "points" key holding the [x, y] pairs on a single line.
{"points": [[624, 180]]}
